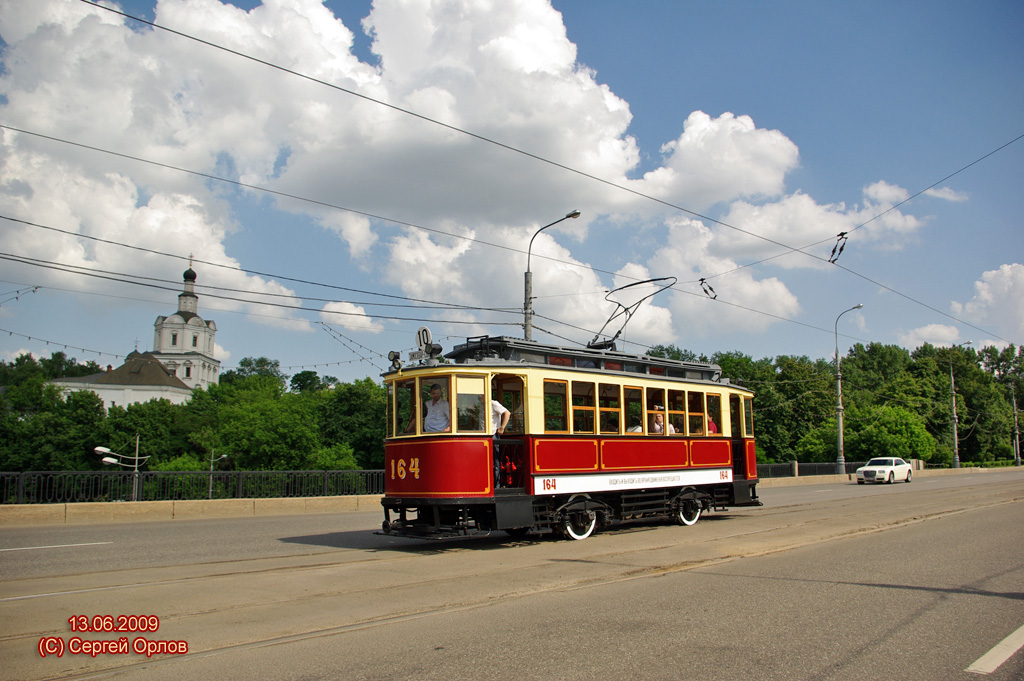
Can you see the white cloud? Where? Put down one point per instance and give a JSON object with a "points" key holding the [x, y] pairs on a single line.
{"points": [[688, 256], [998, 302], [722, 159], [505, 71], [941, 335], [947, 194], [352, 317]]}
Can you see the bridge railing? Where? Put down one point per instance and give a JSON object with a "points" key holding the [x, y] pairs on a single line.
{"points": [[58, 487]]}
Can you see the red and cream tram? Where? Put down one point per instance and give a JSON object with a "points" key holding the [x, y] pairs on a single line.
{"points": [[592, 436]]}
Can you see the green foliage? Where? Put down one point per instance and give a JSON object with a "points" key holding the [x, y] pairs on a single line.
{"points": [[354, 414], [889, 431], [255, 366], [896, 402]]}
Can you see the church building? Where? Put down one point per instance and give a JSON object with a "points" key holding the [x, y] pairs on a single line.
{"points": [[182, 359], [183, 341]]}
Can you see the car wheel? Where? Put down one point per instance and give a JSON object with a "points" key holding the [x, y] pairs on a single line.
{"points": [[860, 482], [892, 477], [909, 475]]}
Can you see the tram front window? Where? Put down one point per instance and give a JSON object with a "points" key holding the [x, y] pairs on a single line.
{"points": [[437, 410]]}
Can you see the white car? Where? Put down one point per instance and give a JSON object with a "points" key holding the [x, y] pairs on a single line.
{"points": [[884, 470]]}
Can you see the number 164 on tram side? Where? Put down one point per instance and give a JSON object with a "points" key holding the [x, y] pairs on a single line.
{"points": [[514, 435]]}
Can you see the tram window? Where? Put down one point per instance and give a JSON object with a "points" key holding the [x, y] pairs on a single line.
{"points": [[633, 399], [437, 409], [656, 371], [677, 412], [748, 416], [556, 407], [560, 361], [582, 407], [613, 366], [405, 407], [695, 406], [470, 404], [610, 407], [510, 393], [656, 412], [634, 368], [714, 414]]}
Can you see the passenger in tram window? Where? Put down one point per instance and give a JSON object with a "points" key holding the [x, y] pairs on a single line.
{"points": [[712, 428], [659, 425], [636, 426], [439, 412]]}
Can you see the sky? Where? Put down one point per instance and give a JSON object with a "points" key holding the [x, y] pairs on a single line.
{"points": [[342, 173]]}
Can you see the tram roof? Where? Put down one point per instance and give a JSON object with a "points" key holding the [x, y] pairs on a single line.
{"points": [[499, 350]]}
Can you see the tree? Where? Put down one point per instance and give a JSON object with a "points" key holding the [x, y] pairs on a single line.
{"points": [[890, 431], [354, 414], [306, 381], [258, 366]]}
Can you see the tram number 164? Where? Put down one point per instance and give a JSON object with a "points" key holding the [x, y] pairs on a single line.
{"points": [[398, 467]]}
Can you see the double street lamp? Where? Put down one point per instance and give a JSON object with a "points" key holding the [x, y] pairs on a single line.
{"points": [[528, 300], [840, 459], [209, 494], [952, 394], [116, 459]]}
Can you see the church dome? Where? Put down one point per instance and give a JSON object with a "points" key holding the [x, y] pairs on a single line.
{"points": [[189, 275]]}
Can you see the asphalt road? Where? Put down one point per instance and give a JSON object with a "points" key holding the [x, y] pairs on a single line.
{"points": [[918, 582]]}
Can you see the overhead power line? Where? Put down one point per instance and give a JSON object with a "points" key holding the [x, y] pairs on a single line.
{"points": [[485, 139]]}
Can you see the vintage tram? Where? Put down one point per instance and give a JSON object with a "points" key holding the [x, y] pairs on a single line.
{"points": [[591, 436]]}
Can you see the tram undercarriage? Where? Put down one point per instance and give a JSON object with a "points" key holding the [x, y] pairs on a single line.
{"points": [[574, 516]]}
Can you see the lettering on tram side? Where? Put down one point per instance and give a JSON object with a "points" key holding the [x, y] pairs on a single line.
{"points": [[399, 468], [549, 484]]}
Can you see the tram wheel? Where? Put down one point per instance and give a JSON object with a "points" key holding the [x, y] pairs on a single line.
{"points": [[688, 512], [579, 525]]}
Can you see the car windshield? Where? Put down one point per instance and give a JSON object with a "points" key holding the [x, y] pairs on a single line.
{"points": [[880, 462]]}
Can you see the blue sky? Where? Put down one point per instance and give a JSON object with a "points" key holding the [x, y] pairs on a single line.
{"points": [[698, 139]]}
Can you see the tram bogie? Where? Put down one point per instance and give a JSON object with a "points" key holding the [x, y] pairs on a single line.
{"points": [[520, 437]]}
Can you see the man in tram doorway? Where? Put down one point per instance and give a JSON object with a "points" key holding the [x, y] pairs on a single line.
{"points": [[499, 419]]}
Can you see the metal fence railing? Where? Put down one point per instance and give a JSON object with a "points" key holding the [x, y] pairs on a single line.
{"points": [[56, 487], [795, 469], [59, 487]]}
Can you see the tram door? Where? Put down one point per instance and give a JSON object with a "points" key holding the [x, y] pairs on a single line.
{"points": [[739, 452], [510, 465]]}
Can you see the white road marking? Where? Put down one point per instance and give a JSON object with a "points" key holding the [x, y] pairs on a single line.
{"points": [[990, 661], [56, 546]]}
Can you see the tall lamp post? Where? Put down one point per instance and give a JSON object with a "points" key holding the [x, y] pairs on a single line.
{"points": [[1016, 429], [115, 459], [952, 395], [528, 300], [213, 461], [840, 459]]}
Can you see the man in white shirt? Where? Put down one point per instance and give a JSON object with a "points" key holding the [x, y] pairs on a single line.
{"points": [[439, 412]]}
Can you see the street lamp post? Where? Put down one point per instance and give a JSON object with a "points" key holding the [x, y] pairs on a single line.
{"points": [[528, 299], [840, 459], [116, 459], [1016, 429], [213, 461], [952, 395]]}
